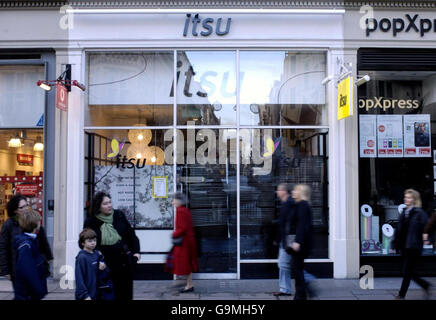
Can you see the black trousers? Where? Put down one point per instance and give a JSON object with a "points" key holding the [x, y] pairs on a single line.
{"points": [[120, 270], [410, 260], [297, 269]]}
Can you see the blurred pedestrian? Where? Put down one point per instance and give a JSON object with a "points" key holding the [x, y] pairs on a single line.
{"points": [[92, 275], [30, 271], [118, 242], [185, 249], [16, 206], [284, 258], [301, 232], [409, 241]]}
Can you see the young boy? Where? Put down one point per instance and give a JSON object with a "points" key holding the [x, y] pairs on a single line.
{"points": [[30, 272], [91, 273]]}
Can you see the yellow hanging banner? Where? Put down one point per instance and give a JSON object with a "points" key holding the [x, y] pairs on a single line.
{"points": [[345, 98]]}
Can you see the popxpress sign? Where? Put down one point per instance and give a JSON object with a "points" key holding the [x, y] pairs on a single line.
{"points": [[407, 24]]}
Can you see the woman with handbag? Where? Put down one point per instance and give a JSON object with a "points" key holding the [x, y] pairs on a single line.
{"points": [[185, 249], [301, 227], [118, 242], [408, 241]]}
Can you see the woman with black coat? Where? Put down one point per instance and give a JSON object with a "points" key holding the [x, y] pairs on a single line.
{"points": [[16, 206], [118, 242], [408, 240], [301, 227]]}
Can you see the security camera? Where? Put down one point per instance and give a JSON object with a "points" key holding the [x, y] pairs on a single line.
{"points": [[362, 80], [326, 80]]}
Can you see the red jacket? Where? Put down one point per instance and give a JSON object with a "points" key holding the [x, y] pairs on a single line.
{"points": [[185, 256]]}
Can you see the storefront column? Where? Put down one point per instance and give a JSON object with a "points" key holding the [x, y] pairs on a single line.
{"points": [[344, 225], [69, 206]]}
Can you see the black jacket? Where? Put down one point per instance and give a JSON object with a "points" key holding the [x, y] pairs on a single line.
{"points": [[9, 230], [301, 226], [284, 221], [122, 226], [408, 234]]}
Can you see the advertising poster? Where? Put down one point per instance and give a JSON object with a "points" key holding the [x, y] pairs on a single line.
{"points": [[390, 136], [368, 136], [417, 136]]}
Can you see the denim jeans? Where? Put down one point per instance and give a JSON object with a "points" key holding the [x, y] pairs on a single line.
{"points": [[284, 263]]}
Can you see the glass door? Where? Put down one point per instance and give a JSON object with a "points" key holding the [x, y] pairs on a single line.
{"points": [[211, 193]]}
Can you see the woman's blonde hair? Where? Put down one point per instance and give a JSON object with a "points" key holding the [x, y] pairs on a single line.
{"points": [[416, 196], [304, 191]]}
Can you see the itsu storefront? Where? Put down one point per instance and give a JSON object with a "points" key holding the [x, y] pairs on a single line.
{"points": [[223, 107]]}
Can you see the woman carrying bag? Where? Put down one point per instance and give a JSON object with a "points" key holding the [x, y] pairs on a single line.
{"points": [[183, 255], [408, 240]]}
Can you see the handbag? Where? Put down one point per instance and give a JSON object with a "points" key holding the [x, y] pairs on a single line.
{"points": [[105, 287], [290, 239], [178, 241]]}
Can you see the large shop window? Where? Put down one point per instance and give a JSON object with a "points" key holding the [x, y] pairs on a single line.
{"points": [[397, 152], [300, 157], [127, 89], [21, 135], [282, 88], [135, 164], [21, 167], [21, 101]]}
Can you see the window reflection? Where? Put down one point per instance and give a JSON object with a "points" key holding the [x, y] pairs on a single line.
{"points": [[282, 88], [206, 87], [300, 157]]}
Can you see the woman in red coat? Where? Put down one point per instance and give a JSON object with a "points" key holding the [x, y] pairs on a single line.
{"points": [[184, 255]]}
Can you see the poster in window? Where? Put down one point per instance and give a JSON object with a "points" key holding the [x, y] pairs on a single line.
{"points": [[131, 191], [390, 136], [417, 136], [368, 136]]}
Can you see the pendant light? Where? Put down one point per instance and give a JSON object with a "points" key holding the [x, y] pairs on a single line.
{"points": [[38, 146], [15, 142]]}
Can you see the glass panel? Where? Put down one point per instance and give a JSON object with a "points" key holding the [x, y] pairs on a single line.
{"points": [[206, 87], [206, 172], [21, 167], [397, 135], [270, 157], [21, 100], [126, 89], [137, 175], [282, 88]]}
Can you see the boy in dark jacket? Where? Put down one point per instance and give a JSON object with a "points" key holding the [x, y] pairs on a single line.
{"points": [[92, 275], [30, 274]]}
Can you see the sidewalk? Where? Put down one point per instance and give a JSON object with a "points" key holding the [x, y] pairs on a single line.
{"points": [[327, 289]]}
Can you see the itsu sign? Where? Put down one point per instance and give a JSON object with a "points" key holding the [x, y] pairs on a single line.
{"points": [[61, 97]]}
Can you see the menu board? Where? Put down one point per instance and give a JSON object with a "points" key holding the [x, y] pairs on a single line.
{"points": [[368, 136], [390, 136], [417, 136]]}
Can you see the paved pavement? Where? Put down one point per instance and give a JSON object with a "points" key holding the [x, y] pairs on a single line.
{"points": [[326, 289]]}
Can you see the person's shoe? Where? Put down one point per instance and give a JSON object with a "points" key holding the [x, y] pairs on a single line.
{"points": [[184, 290], [278, 294], [427, 292], [311, 291], [398, 297]]}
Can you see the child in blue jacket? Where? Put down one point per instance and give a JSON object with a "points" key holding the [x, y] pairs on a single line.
{"points": [[92, 275], [30, 271]]}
